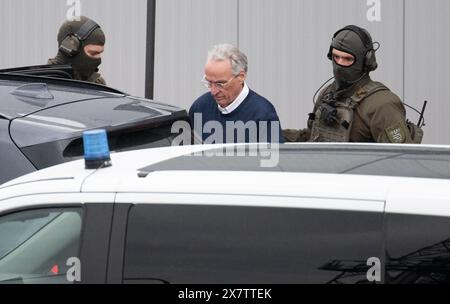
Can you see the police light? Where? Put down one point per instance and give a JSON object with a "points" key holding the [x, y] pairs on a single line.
{"points": [[96, 149]]}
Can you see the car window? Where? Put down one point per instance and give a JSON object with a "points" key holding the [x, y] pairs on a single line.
{"points": [[418, 248], [35, 245]]}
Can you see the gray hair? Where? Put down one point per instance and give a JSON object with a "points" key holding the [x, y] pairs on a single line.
{"points": [[222, 52]]}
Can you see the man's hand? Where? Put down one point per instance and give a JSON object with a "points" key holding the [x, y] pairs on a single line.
{"points": [[294, 135]]}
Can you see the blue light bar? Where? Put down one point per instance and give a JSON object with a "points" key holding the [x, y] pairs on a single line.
{"points": [[96, 149]]}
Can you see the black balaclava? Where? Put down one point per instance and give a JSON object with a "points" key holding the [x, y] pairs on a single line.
{"points": [[82, 64], [348, 41]]}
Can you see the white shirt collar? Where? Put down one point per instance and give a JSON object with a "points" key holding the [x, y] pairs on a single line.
{"points": [[237, 102]]}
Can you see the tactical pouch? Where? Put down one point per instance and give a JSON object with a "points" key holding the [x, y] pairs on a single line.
{"points": [[333, 124], [415, 131]]}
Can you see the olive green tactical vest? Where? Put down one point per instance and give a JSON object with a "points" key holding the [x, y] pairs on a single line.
{"points": [[333, 119]]}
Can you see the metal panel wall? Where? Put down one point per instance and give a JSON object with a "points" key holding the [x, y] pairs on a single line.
{"points": [[427, 65], [185, 31], [287, 42], [29, 29]]}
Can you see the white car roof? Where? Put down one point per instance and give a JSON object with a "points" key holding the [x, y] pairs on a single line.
{"points": [[122, 176], [123, 173], [124, 183]]}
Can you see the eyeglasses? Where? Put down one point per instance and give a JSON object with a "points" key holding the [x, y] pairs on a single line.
{"points": [[220, 85]]}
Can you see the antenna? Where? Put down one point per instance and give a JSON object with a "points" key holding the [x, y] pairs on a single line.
{"points": [[421, 114]]}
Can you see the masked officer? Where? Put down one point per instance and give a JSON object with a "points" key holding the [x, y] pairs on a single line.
{"points": [[81, 44], [354, 108]]}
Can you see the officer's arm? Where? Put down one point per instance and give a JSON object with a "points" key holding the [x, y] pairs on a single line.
{"points": [[388, 120], [294, 135]]}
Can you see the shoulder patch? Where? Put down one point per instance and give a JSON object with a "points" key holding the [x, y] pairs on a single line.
{"points": [[396, 134]]}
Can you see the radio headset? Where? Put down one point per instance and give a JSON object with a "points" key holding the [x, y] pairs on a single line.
{"points": [[71, 45]]}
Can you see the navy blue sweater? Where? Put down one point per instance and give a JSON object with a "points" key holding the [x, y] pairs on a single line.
{"points": [[255, 112]]}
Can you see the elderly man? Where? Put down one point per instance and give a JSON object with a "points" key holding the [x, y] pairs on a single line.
{"points": [[81, 44], [230, 111], [354, 108]]}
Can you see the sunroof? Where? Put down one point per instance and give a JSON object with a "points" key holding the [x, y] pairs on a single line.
{"points": [[406, 162]]}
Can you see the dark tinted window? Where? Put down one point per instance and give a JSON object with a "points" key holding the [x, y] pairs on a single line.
{"points": [[418, 249], [405, 161], [220, 244]]}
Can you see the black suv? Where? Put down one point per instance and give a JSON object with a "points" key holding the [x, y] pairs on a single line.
{"points": [[43, 113]]}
